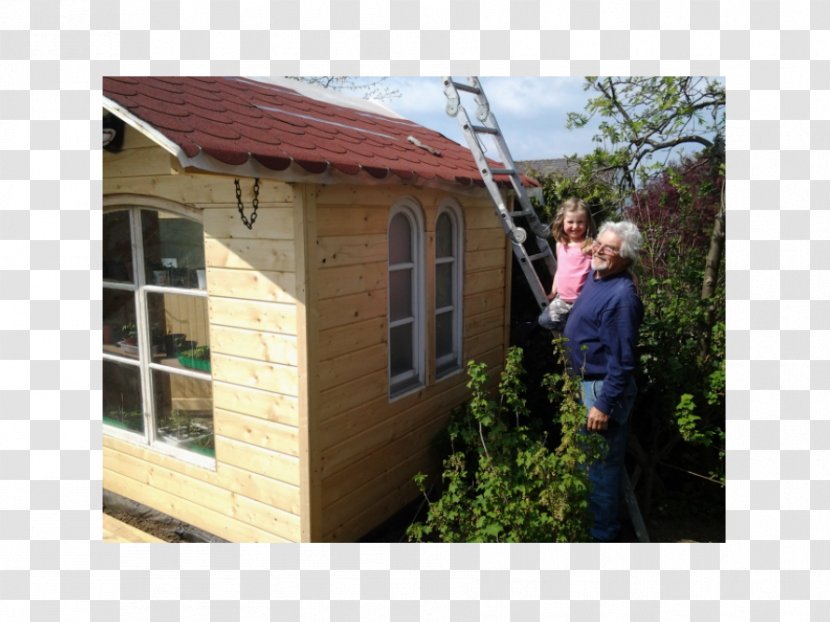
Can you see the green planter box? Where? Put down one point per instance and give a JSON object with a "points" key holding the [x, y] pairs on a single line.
{"points": [[193, 363]]}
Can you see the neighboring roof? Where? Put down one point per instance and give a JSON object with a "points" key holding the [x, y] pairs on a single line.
{"points": [[561, 166], [255, 128]]}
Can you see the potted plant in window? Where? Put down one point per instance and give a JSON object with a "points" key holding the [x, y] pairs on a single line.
{"points": [[196, 358], [129, 339]]}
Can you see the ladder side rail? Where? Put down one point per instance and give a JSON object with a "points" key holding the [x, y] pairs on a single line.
{"points": [[488, 120], [457, 109]]}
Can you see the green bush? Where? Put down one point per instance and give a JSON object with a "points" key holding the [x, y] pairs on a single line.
{"points": [[501, 482]]}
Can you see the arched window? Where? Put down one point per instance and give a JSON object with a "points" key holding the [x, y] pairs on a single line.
{"points": [[156, 341], [447, 291], [406, 316]]}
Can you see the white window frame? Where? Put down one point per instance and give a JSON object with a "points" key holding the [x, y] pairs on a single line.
{"points": [[413, 380], [450, 364], [145, 365]]}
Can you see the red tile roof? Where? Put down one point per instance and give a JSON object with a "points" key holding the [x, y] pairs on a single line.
{"points": [[239, 122]]}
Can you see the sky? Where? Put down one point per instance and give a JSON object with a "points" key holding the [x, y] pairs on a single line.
{"points": [[530, 111]]}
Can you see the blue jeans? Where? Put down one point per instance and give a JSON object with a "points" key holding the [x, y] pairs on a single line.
{"points": [[605, 475]]}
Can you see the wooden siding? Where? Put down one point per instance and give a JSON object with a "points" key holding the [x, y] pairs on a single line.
{"points": [[370, 447], [308, 445], [253, 493]]}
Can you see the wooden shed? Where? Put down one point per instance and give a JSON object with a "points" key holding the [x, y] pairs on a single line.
{"points": [[285, 381]]}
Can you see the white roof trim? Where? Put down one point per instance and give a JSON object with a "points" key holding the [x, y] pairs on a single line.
{"points": [[144, 128]]}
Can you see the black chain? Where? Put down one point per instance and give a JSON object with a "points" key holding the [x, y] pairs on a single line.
{"points": [[241, 208]]}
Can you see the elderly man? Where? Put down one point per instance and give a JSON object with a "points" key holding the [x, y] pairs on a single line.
{"points": [[602, 332]]}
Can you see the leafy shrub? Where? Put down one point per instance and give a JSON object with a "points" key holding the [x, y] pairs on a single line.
{"points": [[500, 482]]}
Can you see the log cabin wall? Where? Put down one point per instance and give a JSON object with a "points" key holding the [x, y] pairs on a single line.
{"points": [[369, 446], [253, 493]]}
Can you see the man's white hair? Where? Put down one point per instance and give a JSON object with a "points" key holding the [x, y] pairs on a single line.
{"points": [[630, 237]]}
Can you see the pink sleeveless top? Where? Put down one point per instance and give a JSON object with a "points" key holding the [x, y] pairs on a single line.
{"points": [[572, 266]]}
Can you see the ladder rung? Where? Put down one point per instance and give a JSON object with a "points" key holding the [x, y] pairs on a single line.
{"points": [[465, 87], [503, 171], [480, 129], [538, 256], [521, 213]]}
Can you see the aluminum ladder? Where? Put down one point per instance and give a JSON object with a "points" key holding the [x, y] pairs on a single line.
{"points": [[530, 252]]}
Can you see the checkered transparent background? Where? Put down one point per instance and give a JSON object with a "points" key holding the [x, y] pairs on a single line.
{"points": [[776, 563]]}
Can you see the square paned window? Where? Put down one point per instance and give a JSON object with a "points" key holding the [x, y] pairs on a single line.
{"points": [[156, 337]]}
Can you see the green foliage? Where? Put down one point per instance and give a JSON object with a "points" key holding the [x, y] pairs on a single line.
{"points": [[641, 117], [500, 482]]}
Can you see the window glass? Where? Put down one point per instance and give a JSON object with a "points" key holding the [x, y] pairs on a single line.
{"points": [[400, 345], [400, 240], [444, 236], [179, 330], [447, 294], [184, 412], [444, 285], [122, 396], [174, 250], [120, 334], [443, 334], [117, 249], [168, 387], [400, 294]]}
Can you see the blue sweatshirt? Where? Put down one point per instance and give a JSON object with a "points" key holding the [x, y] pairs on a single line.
{"points": [[605, 321]]}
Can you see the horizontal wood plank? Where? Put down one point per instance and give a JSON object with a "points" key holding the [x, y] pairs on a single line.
{"points": [[265, 316], [272, 464], [347, 310], [266, 517], [351, 394], [350, 250], [255, 402], [484, 239], [267, 286], [151, 160], [197, 189], [257, 431], [345, 280], [272, 223], [273, 377], [483, 260], [265, 256], [341, 340], [477, 282], [262, 346], [272, 492], [332, 372], [355, 220]]}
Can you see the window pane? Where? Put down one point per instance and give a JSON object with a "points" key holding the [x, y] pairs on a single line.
{"points": [[120, 335], [400, 240], [179, 330], [400, 348], [443, 333], [117, 249], [444, 236], [122, 397], [174, 250], [184, 412], [400, 294], [443, 285]]}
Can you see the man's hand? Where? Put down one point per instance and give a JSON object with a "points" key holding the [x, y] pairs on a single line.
{"points": [[597, 420]]}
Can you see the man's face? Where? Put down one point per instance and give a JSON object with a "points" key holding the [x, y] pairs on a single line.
{"points": [[606, 258]]}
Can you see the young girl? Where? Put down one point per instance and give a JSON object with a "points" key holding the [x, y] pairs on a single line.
{"points": [[574, 230]]}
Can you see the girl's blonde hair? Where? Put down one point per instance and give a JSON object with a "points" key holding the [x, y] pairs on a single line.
{"points": [[574, 205]]}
